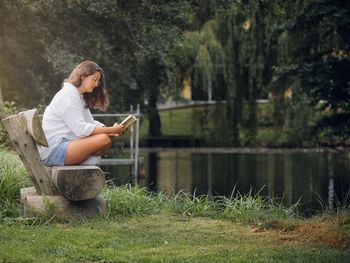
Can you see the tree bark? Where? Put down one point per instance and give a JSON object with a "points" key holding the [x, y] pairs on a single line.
{"points": [[153, 115]]}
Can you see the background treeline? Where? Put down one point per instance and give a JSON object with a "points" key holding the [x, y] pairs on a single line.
{"points": [[296, 53]]}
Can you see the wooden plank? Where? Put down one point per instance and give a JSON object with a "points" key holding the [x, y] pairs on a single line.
{"points": [[77, 182], [16, 126], [24, 192], [61, 208], [34, 127]]}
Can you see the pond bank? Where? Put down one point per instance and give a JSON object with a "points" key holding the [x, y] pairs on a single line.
{"points": [[238, 150]]}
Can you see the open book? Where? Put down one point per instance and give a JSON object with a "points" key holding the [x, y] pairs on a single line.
{"points": [[128, 121]]}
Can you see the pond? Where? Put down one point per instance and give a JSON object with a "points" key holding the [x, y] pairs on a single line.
{"points": [[316, 177]]}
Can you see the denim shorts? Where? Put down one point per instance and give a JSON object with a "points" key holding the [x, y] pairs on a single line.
{"points": [[57, 155]]}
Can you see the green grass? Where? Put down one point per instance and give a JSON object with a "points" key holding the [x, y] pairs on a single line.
{"points": [[12, 178], [160, 238], [128, 201], [180, 121], [175, 122]]}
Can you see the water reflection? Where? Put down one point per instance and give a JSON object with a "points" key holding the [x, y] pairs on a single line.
{"points": [[314, 177]]}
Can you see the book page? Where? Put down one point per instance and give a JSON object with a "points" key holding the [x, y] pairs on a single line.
{"points": [[128, 121]]}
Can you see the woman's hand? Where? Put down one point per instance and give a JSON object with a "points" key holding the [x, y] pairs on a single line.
{"points": [[115, 130], [119, 129]]}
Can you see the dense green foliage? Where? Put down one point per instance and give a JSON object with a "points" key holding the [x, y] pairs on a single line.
{"points": [[298, 52], [320, 63], [42, 41], [236, 51]]}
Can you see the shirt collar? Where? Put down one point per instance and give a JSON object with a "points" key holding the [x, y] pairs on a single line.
{"points": [[68, 85]]}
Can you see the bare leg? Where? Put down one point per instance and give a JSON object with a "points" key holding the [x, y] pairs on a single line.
{"points": [[79, 150], [100, 153]]}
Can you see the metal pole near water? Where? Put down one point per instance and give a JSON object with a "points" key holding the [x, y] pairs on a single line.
{"points": [[132, 156], [136, 160]]}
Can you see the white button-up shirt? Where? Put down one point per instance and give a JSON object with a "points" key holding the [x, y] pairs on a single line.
{"points": [[66, 117]]}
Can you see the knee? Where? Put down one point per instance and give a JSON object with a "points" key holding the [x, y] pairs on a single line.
{"points": [[105, 140]]}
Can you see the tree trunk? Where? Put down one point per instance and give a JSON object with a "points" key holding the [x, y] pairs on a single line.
{"points": [[154, 128]]}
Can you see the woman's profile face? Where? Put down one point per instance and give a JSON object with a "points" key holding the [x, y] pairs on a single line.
{"points": [[89, 83]]}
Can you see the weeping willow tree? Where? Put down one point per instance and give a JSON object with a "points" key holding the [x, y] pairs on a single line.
{"points": [[233, 47], [243, 36], [202, 57]]}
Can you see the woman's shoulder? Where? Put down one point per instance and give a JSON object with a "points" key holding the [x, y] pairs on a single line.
{"points": [[66, 95], [67, 92], [70, 89]]}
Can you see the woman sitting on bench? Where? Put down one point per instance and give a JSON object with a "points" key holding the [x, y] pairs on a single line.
{"points": [[74, 137]]}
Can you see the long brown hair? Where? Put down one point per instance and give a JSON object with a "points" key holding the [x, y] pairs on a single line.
{"points": [[98, 99]]}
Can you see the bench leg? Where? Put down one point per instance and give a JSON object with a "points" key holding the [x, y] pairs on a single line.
{"points": [[61, 208]]}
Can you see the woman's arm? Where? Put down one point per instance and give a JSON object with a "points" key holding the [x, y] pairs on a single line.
{"points": [[114, 130]]}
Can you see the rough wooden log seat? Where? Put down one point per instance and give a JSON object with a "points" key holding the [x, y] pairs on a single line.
{"points": [[71, 190]]}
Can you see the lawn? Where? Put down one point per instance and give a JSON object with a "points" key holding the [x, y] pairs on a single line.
{"points": [[178, 122], [172, 238], [186, 121]]}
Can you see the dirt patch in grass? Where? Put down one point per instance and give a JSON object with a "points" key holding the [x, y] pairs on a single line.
{"points": [[326, 233], [332, 233]]}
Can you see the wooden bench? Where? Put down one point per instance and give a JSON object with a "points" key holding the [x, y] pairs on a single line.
{"points": [[67, 191]]}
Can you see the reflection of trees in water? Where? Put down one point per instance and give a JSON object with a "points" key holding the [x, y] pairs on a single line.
{"points": [[288, 179], [271, 175], [330, 180], [153, 171], [285, 175]]}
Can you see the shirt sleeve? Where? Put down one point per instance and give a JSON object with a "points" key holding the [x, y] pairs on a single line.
{"points": [[98, 123], [91, 119], [73, 116]]}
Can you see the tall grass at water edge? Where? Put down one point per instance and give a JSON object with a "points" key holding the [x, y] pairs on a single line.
{"points": [[128, 200], [12, 178]]}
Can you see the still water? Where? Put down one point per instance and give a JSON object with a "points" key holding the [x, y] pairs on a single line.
{"points": [[314, 177]]}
